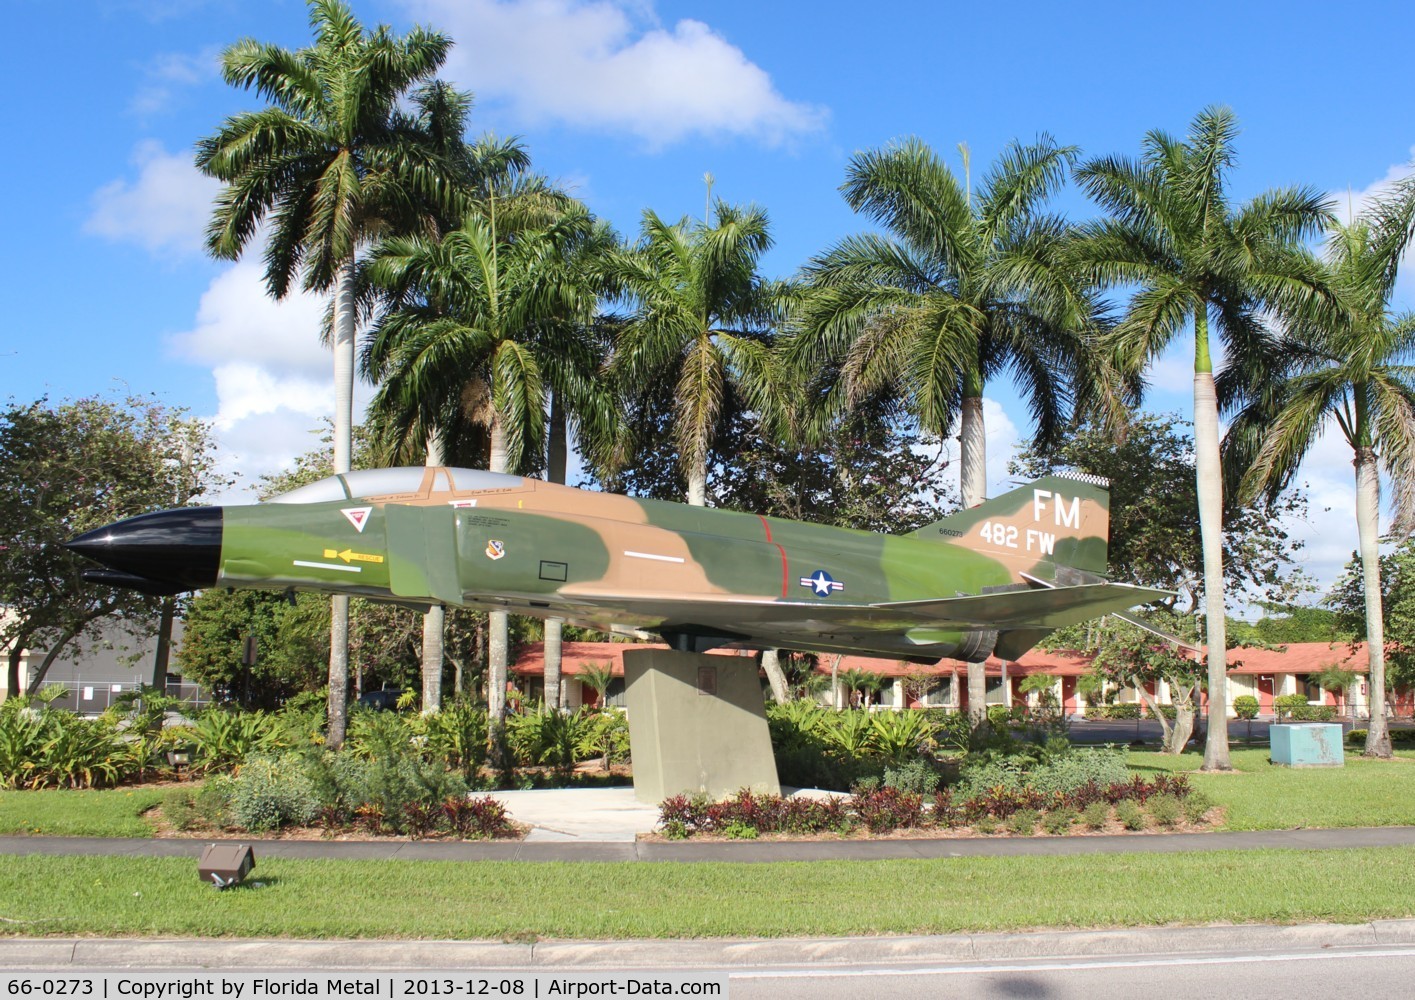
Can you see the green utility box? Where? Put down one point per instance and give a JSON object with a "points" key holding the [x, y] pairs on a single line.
{"points": [[1307, 744]]}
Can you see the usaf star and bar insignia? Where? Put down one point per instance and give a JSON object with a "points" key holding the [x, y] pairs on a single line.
{"points": [[822, 584]]}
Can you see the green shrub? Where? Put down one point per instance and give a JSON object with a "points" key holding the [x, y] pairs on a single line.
{"points": [[22, 733], [985, 825], [1070, 771], [1130, 815], [270, 792], [1400, 737], [1245, 706], [375, 734], [1058, 822], [1117, 712], [1096, 815], [900, 736], [1023, 822], [915, 776], [212, 801], [1196, 806], [456, 737], [605, 735], [179, 810], [739, 831], [1295, 707], [83, 753], [383, 787], [223, 738], [1164, 810]]}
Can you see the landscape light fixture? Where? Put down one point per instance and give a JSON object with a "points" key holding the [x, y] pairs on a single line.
{"points": [[224, 865]]}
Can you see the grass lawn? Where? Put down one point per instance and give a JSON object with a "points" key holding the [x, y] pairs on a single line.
{"points": [[1260, 796], [108, 812], [509, 900]]}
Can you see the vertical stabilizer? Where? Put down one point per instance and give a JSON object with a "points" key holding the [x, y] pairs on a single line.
{"points": [[1061, 520]]}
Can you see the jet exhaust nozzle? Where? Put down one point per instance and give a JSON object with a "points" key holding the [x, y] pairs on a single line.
{"points": [[165, 552]]}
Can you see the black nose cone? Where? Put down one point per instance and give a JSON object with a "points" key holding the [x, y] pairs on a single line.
{"points": [[172, 549]]}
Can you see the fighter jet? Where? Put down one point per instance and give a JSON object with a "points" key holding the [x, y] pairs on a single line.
{"points": [[996, 578]]}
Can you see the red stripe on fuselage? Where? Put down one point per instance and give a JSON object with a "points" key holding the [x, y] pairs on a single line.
{"points": [[785, 576]]}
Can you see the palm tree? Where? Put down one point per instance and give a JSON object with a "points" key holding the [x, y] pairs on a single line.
{"points": [[701, 319], [486, 324], [332, 163], [1196, 259], [968, 287], [1347, 362]]}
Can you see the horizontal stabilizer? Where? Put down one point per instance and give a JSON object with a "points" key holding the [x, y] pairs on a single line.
{"points": [[1051, 608]]}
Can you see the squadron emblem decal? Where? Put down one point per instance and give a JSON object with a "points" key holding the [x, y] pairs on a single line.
{"points": [[495, 549], [358, 517], [822, 584]]}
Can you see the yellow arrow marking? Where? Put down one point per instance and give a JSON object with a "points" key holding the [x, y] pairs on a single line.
{"points": [[348, 555]]}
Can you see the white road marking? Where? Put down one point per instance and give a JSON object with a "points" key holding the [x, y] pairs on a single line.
{"points": [[655, 558], [1056, 966], [318, 565]]}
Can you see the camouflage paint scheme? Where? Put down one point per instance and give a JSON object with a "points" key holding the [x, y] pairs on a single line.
{"points": [[997, 577]]}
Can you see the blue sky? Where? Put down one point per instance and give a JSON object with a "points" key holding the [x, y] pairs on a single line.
{"points": [[630, 102]]}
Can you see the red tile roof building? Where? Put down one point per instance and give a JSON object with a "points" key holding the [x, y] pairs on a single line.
{"points": [[1262, 673]]}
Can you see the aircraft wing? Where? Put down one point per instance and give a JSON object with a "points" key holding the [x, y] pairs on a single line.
{"points": [[1050, 608], [1042, 609]]}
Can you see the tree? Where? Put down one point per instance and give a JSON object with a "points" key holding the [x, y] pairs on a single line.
{"points": [[967, 288], [1142, 663], [1337, 680], [288, 645], [1397, 603], [485, 315], [68, 469], [1155, 538], [334, 162], [700, 321], [1344, 360], [1193, 258]]}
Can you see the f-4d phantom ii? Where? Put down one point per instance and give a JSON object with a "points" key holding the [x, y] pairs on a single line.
{"points": [[993, 579]]}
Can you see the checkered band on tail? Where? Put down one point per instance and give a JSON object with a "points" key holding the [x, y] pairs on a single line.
{"points": [[1083, 477]]}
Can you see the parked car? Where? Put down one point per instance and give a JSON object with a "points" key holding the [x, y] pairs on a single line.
{"points": [[387, 699]]}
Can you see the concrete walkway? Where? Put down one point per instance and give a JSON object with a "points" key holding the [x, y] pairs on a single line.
{"points": [[155, 955]]}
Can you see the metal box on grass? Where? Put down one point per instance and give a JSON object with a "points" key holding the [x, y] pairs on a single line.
{"points": [[1307, 744]]}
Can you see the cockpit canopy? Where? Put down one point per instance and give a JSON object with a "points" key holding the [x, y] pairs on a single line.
{"points": [[365, 484]]}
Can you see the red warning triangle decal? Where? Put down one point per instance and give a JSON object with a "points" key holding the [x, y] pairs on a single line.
{"points": [[358, 516]]}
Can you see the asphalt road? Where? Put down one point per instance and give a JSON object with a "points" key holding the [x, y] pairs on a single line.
{"points": [[1370, 973]]}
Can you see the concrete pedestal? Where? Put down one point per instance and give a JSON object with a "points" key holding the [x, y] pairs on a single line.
{"points": [[697, 723]]}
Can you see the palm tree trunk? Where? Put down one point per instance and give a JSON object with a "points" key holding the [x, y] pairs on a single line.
{"points": [[497, 621], [557, 459], [771, 664], [434, 620], [343, 458], [697, 484], [1210, 490], [977, 693], [1368, 499], [972, 452], [972, 484]]}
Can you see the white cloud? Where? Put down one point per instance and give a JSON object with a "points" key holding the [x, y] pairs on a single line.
{"points": [[165, 210], [608, 64], [237, 321], [168, 74], [273, 378]]}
